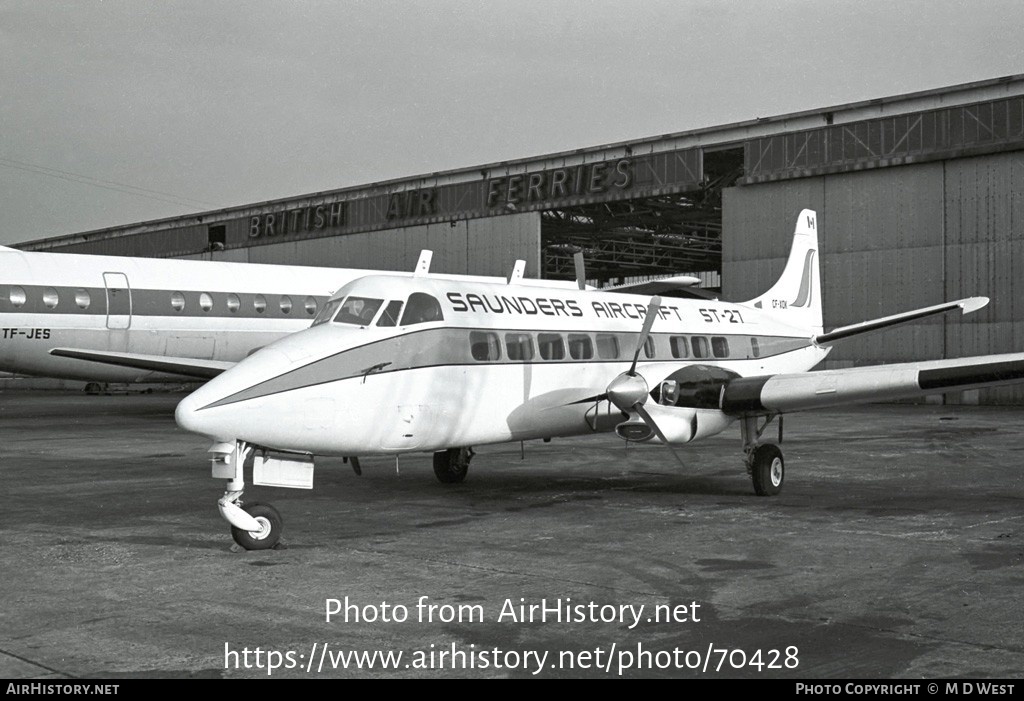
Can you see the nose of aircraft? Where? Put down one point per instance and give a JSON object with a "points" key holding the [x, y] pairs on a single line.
{"points": [[205, 412]]}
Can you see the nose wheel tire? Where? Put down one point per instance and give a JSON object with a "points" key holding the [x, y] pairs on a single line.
{"points": [[767, 470], [270, 528], [451, 466]]}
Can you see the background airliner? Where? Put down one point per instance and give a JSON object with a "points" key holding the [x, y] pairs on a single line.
{"points": [[122, 319]]}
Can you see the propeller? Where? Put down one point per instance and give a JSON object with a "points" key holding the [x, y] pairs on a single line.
{"points": [[629, 391], [581, 275]]}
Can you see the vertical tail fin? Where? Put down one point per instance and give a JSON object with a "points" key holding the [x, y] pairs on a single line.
{"points": [[796, 296]]}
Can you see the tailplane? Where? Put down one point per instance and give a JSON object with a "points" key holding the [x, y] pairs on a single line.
{"points": [[796, 297]]}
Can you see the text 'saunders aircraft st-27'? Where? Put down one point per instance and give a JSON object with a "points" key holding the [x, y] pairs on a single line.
{"points": [[440, 366], [122, 319]]}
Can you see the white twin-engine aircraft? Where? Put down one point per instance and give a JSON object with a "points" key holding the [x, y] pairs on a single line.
{"points": [[121, 319], [400, 364]]}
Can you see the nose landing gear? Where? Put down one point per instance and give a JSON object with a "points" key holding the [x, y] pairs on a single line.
{"points": [[255, 526]]}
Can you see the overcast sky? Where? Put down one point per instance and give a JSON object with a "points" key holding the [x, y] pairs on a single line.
{"points": [[118, 111]]}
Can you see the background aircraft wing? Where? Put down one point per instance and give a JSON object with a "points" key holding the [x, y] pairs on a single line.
{"points": [[186, 367], [811, 390], [672, 283]]}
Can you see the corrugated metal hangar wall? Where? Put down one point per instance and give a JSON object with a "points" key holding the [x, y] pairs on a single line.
{"points": [[894, 239]]}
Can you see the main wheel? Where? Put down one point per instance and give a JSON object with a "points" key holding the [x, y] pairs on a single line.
{"points": [[451, 465], [270, 528], [767, 470]]}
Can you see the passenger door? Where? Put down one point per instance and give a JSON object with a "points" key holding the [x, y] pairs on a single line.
{"points": [[119, 301]]}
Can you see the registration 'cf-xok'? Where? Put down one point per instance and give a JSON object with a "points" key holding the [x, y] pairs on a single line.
{"points": [[405, 364]]}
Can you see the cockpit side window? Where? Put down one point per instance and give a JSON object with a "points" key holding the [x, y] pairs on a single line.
{"points": [[358, 310], [327, 312], [391, 314], [421, 309]]}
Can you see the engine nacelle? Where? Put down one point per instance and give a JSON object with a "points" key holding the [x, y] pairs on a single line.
{"points": [[679, 424], [685, 406]]}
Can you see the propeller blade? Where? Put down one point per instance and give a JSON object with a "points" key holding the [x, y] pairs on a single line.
{"points": [[581, 275], [649, 420], [652, 312]]}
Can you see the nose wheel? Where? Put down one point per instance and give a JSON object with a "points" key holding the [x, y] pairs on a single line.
{"points": [[269, 534]]}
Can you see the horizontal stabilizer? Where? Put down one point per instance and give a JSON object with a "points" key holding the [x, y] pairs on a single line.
{"points": [[656, 286], [971, 304], [186, 367], [813, 390]]}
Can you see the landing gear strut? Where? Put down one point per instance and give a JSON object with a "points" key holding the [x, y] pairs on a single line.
{"points": [[765, 465], [451, 465]]}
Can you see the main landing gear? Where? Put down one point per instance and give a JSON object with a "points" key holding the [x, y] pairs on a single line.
{"points": [[765, 465], [451, 465]]}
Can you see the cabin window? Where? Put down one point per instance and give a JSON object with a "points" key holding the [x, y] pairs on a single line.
{"points": [[680, 348], [82, 299], [720, 346], [552, 347], [177, 301], [421, 309], [519, 345], [259, 303], [607, 347], [484, 345], [701, 349], [391, 314], [580, 346], [327, 312], [755, 348], [18, 296], [205, 302], [649, 347], [286, 304], [234, 303], [50, 298], [358, 310], [310, 305]]}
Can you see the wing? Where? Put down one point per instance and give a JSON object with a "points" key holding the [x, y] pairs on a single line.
{"points": [[812, 390], [186, 367]]}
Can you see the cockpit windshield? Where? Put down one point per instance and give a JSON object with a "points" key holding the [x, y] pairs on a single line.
{"points": [[327, 312], [358, 310]]}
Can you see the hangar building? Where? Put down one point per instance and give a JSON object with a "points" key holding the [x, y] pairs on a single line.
{"points": [[920, 200]]}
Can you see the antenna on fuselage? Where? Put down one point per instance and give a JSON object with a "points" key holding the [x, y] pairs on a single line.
{"points": [[423, 264], [517, 272], [581, 273]]}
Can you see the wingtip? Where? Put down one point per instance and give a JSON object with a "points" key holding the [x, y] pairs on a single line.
{"points": [[973, 304]]}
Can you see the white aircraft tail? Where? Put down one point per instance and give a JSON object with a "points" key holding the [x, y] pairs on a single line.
{"points": [[795, 298]]}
